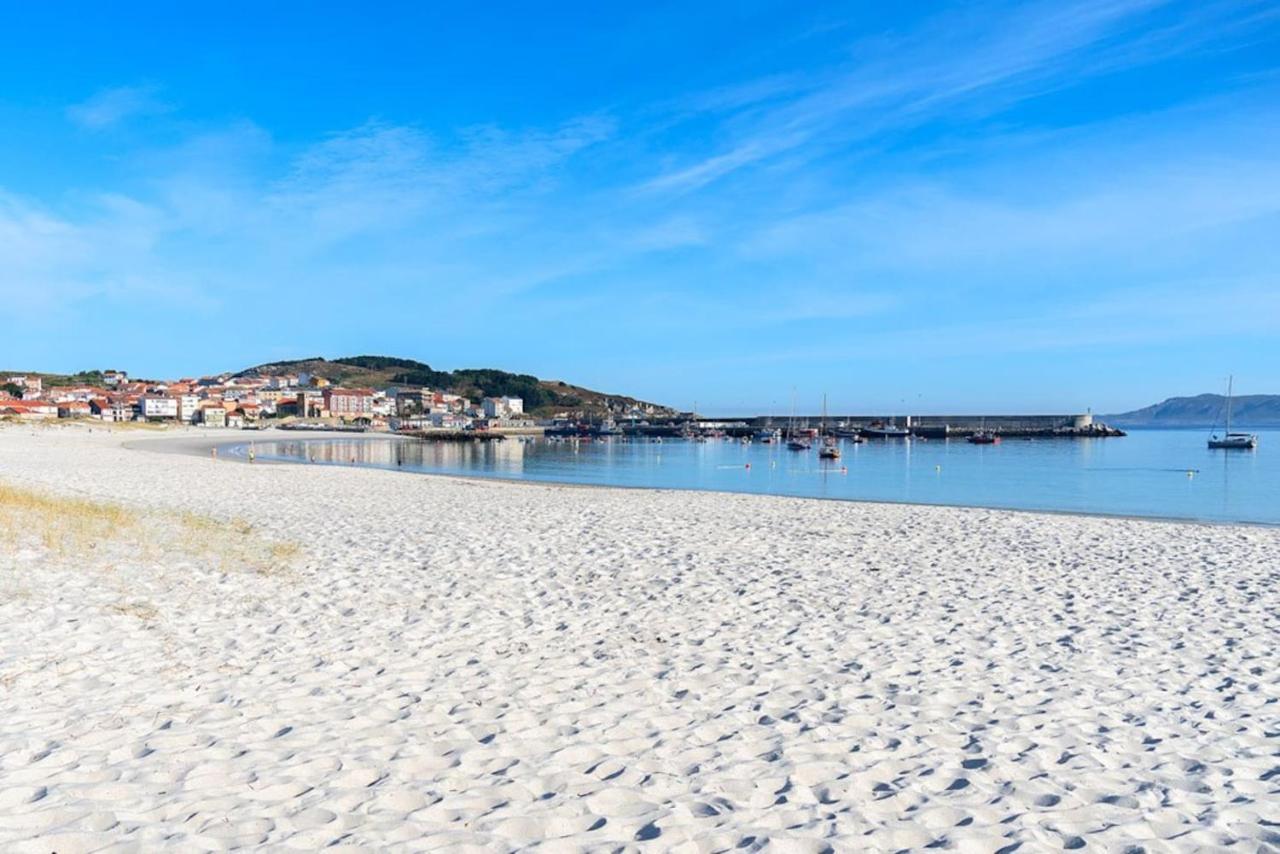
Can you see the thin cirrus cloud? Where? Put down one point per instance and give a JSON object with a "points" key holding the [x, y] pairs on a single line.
{"points": [[976, 62], [235, 211], [111, 107]]}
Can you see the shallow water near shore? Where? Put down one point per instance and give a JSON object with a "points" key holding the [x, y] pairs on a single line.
{"points": [[1150, 473]]}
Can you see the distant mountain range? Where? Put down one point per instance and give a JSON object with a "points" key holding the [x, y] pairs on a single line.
{"points": [[1203, 410], [541, 397]]}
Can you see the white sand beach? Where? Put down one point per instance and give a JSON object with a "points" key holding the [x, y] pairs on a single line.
{"points": [[307, 656]]}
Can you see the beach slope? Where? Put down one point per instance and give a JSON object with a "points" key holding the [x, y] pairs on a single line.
{"points": [[203, 654]]}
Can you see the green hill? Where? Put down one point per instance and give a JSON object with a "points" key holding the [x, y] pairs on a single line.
{"points": [[541, 397]]}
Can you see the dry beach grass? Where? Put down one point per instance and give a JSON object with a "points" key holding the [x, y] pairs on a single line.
{"points": [[73, 527]]}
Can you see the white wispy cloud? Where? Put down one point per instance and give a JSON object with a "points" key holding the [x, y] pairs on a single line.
{"points": [[110, 107], [975, 61]]}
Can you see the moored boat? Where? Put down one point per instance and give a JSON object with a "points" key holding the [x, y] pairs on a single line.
{"points": [[795, 441], [886, 431], [1228, 440], [983, 436], [830, 449]]}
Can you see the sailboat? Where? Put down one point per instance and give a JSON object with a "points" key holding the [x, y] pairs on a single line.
{"points": [[1229, 440], [830, 449], [794, 442]]}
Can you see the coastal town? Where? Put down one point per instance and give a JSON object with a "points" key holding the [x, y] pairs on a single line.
{"points": [[308, 401], [232, 401]]}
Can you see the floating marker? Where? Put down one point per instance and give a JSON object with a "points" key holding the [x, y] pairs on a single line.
{"points": [[937, 468]]}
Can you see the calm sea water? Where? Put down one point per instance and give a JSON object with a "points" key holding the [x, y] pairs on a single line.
{"points": [[1157, 473]]}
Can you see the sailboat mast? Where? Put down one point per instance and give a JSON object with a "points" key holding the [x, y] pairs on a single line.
{"points": [[1230, 383]]}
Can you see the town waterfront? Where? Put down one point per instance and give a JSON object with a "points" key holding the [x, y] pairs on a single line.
{"points": [[1150, 473]]}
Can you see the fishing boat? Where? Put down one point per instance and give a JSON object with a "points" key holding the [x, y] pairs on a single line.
{"points": [[881, 430], [983, 436], [608, 427], [1229, 440]]}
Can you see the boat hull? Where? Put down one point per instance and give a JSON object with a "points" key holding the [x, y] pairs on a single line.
{"points": [[1234, 443]]}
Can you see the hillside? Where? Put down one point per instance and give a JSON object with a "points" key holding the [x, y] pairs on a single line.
{"points": [[1203, 410], [541, 397]]}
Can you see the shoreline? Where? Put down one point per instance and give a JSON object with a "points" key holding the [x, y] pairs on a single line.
{"points": [[201, 446]]}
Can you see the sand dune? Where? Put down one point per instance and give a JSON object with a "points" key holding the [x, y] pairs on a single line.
{"points": [[461, 665]]}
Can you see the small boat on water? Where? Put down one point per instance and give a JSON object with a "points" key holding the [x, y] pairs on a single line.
{"points": [[1232, 441], [886, 431], [795, 441], [983, 436], [830, 448]]}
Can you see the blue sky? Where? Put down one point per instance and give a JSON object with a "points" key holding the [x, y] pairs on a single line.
{"points": [[988, 206]]}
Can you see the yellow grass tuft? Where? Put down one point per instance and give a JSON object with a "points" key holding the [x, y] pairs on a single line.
{"points": [[80, 527], [59, 523]]}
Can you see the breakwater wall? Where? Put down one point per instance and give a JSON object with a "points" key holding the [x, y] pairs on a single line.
{"points": [[929, 426]]}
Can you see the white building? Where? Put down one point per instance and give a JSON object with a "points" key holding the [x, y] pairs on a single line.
{"points": [[31, 386], [503, 407], [188, 407], [83, 394], [213, 416], [158, 406], [449, 420], [111, 410]]}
